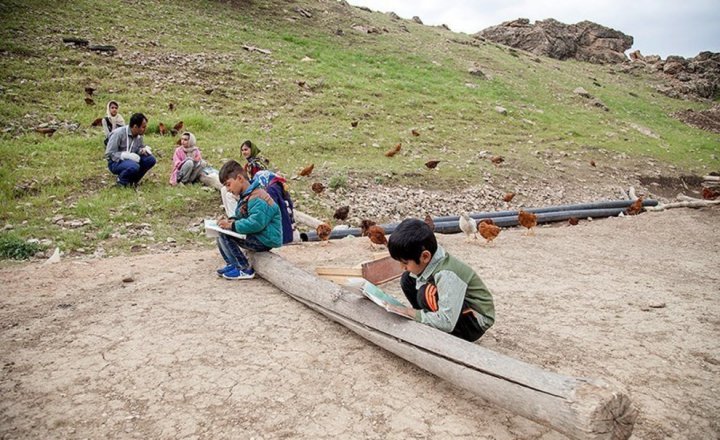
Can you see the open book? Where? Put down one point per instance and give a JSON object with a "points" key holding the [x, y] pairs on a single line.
{"points": [[376, 295], [213, 230]]}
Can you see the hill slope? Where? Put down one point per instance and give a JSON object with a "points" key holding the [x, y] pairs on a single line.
{"points": [[319, 70]]}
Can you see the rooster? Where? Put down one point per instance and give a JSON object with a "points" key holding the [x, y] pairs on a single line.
{"points": [[307, 170], [317, 187], [393, 151], [376, 233], [528, 220], [365, 225], [432, 164], [323, 232], [467, 225], [636, 207], [488, 230], [341, 213]]}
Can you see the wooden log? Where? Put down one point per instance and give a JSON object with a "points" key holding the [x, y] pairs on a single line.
{"points": [[581, 408], [711, 178], [306, 219]]}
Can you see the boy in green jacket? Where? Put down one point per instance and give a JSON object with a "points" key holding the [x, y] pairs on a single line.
{"points": [[444, 292], [257, 216]]}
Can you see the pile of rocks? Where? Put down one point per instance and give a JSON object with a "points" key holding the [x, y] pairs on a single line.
{"points": [[697, 77]]}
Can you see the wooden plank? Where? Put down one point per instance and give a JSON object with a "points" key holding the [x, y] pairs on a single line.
{"points": [[382, 270], [581, 408], [339, 270]]}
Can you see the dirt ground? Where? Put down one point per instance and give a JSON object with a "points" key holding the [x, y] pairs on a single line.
{"points": [[156, 346]]}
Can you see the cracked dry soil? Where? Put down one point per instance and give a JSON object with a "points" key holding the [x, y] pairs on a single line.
{"points": [[180, 353]]}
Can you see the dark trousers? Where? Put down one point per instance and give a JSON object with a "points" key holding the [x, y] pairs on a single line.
{"points": [[129, 171], [230, 249], [467, 326]]}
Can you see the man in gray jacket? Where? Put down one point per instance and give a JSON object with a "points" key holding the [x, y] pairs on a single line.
{"points": [[128, 156]]}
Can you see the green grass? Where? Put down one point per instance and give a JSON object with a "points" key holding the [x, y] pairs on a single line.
{"points": [[390, 83]]}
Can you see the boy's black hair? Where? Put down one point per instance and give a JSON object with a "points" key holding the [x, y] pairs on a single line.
{"points": [[137, 119], [411, 237], [230, 170]]}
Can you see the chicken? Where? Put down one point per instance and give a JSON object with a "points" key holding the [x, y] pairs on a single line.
{"points": [[393, 151], [89, 90], [592, 163], [162, 129], [488, 230], [171, 106], [573, 221], [317, 187], [301, 83], [365, 224], [341, 213], [415, 132], [709, 194], [323, 232], [307, 170], [47, 131], [528, 220], [432, 164], [467, 225], [497, 160], [354, 124], [96, 123], [179, 126], [429, 221], [636, 207], [376, 234], [89, 101], [508, 197]]}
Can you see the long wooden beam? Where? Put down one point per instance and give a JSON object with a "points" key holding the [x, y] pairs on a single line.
{"points": [[582, 408]]}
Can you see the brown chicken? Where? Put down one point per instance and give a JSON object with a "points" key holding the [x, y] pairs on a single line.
{"points": [[301, 83], [162, 129], [317, 187], [179, 126], [573, 221], [96, 123], [89, 101], [592, 163], [429, 221], [432, 164], [508, 197], [488, 230], [365, 226], [393, 151], [171, 106], [89, 90], [709, 194], [497, 160], [636, 207], [47, 131], [377, 236], [341, 213], [354, 124], [415, 132], [323, 232], [307, 170], [527, 220]]}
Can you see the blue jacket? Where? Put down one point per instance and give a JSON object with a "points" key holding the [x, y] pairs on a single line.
{"points": [[257, 214]]}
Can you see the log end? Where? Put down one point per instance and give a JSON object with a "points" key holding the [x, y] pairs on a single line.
{"points": [[607, 410]]}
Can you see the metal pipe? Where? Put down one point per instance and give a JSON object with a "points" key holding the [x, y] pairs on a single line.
{"points": [[503, 218]]}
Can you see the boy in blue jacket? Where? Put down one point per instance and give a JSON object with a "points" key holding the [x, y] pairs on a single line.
{"points": [[257, 216]]}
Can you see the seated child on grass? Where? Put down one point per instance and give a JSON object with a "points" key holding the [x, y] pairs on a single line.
{"points": [[257, 216], [187, 161], [444, 292]]}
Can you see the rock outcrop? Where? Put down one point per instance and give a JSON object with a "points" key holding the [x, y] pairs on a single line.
{"points": [[697, 77], [584, 41]]}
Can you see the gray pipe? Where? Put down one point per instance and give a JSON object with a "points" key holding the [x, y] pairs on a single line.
{"points": [[504, 218]]}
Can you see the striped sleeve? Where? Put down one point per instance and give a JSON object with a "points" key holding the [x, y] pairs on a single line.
{"points": [[451, 293]]}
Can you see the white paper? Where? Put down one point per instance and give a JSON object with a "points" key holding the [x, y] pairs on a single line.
{"points": [[212, 230]]}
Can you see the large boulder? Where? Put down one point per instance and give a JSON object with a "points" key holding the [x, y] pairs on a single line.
{"points": [[584, 41]]}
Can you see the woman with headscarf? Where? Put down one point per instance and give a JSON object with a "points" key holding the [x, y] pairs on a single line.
{"points": [[188, 163], [112, 119], [255, 162]]}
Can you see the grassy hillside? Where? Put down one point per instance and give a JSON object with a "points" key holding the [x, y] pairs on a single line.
{"points": [[296, 103]]}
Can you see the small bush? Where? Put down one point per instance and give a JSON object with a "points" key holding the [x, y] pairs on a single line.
{"points": [[14, 247], [337, 182]]}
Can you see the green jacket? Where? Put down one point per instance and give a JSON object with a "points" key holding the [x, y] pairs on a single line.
{"points": [[257, 214], [456, 282]]}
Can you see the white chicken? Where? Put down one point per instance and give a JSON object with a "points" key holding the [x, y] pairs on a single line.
{"points": [[468, 226]]}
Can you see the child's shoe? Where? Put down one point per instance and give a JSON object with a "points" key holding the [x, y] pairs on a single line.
{"points": [[238, 274], [223, 270]]}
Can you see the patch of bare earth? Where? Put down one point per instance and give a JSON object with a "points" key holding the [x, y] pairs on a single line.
{"points": [[708, 120], [157, 346]]}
